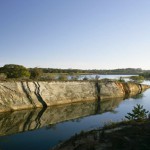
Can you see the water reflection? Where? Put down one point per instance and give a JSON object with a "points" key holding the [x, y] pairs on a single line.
{"points": [[139, 96], [25, 120]]}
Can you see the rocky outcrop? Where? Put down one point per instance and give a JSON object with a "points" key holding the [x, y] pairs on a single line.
{"points": [[120, 89], [25, 95]]}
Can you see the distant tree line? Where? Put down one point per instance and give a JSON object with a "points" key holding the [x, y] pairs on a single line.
{"points": [[126, 71], [146, 75], [19, 71]]}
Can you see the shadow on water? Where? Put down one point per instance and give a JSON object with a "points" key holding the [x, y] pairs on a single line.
{"points": [[139, 96], [26, 120]]}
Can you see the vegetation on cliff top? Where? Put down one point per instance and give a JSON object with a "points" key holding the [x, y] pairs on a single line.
{"points": [[15, 71], [131, 71], [137, 78], [21, 72]]}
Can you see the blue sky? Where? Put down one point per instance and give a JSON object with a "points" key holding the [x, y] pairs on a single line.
{"points": [[86, 34]]}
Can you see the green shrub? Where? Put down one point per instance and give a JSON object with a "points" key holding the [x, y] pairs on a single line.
{"points": [[121, 79], [51, 77], [138, 113], [63, 77], [137, 78], [16, 71], [36, 73]]}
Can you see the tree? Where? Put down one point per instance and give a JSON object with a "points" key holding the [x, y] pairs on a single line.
{"points": [[36, 73], [62, 77], [138, 113], [15, 71]]}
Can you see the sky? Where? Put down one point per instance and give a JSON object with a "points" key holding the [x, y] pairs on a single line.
{"points": [[83, 34]]}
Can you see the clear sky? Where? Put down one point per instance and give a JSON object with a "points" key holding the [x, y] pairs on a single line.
{"points": [[86, 34]]}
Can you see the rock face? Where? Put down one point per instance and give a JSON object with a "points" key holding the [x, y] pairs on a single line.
{"points": [[25, 95], [119, 89]]}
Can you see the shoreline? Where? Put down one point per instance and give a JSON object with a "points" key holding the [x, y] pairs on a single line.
{"points": [[123, 135]]}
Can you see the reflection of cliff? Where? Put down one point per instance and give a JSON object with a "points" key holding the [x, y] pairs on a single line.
{"points": [[20, 121]]}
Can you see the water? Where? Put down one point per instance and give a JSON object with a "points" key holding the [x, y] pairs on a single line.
{"points": [[93, 76], [104, 76], [28, 130]]}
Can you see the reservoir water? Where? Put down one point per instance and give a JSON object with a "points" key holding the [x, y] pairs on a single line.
{"points": [[43, 129]]}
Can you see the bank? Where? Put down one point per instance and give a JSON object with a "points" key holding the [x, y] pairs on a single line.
{"points": [[127, 135]]}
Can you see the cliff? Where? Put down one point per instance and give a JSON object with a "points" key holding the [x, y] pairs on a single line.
{"points": [[25, 95]]}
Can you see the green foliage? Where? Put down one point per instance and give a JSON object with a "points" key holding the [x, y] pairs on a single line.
{"points": [[146, 75], [36, 73], [15, 71], [48, 77], [138, 113], [137, 78], [94, 71], [62, 77], [51, 77], [121, 79]]}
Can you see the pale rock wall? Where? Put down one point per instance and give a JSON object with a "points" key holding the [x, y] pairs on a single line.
{"points": [[25, 95], [111, 90]]}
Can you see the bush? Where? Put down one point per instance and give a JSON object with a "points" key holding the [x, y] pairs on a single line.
{"points": [[121, 79], [15, 71], [48, 76], [36, 73], [62, 77], [137, 78], [51, 77], [138, 113]]}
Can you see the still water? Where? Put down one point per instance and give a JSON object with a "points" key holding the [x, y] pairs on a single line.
{"points": [[43, 129], [104, 76]]}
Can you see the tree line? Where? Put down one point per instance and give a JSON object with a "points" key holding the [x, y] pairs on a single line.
{"points": [[126, 71], [19, 71]]}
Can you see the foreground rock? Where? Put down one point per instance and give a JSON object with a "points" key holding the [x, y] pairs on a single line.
{"points": [[25, 95]]}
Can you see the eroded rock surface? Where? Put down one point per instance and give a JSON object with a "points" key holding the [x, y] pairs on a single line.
{"points": [[25, 95]]}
